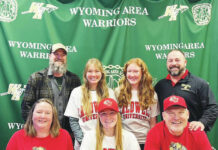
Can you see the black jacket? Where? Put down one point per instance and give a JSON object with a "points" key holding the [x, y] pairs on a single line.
{"points": [[200, 100]]}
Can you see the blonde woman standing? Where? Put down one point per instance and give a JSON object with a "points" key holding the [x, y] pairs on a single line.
{"points": [[137, 100], [109, 134], [83, 102]]}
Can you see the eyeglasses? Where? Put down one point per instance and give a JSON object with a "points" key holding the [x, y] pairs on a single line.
{"points": [[59, 54], [111, 113]]}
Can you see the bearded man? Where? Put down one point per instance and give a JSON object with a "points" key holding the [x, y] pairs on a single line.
{"points": [[199, 98], [54, 82]]}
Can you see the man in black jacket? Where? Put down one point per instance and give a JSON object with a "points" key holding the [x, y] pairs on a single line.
{"points": [[197, 93], [54, 82]]}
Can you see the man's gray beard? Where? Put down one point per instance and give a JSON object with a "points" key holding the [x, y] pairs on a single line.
{"points": [[181, 70], [57, 67]]}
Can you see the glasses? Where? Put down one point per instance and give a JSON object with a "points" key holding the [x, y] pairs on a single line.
{"points": [[59, 54], [176, 114], [111, 113]]}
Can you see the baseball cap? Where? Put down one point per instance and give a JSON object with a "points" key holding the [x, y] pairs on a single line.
{"points": [[174, 100], [108, 103], [58, 46]]}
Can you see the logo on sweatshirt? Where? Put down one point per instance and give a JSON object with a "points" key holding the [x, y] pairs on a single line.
{"points": [[177, 146]]}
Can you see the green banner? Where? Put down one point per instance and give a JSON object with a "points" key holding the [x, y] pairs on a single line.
{"points": [[112, 31]]}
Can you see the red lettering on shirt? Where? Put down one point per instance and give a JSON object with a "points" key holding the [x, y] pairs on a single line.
{"points": [[134, 111], [94, 111]]}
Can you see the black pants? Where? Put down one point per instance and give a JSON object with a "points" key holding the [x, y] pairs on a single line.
{"points": [[142, 146]]}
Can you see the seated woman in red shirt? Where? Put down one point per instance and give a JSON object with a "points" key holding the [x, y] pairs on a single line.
{"points": [[41, 130]]}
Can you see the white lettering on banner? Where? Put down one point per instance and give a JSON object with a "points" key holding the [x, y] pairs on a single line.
{"points": [[38, 9], [13, 125], [38, 55], [173, 11], [29, 45], [164, 55], [94, 11], [110, 23], [160, 49], [170, 46], [89, 11], [36, 46], [8, 10]]}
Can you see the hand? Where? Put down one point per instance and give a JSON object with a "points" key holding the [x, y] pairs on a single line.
{"points": [[194, 125]]}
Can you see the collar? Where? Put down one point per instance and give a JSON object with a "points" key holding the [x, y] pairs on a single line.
{"points": [[168, 77], [50, 72]]}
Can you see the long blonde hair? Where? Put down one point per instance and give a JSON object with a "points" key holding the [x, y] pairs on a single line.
{"points": [[118, 134], [102, 89], [145, 89], [55, 126]]}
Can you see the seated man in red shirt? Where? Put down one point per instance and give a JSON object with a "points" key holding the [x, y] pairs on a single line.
{"points": [[172, 133]]}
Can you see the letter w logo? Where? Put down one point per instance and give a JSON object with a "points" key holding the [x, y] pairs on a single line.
{"points": [[173, 11], [15, 90], [38, 9]]}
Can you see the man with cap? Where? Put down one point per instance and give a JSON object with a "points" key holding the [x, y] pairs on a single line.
{"points": [[54, 82], [173, 133]]}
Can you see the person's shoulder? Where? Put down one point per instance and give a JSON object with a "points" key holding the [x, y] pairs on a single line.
{"points": [[90, 134], [196, 133], [40, 73], [158, 127], [19, 133], [127, 134], [197, 79], [161, 81], [110, 90], [69, 73], [117, 90], [63, 132], [77, 89]]}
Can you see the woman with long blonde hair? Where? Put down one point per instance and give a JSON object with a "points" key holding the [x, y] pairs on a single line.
{"points": [[137, 99], [109, 133], [83, 102]]}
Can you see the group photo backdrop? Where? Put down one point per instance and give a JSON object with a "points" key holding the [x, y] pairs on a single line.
{"points": [[113, 31]]}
